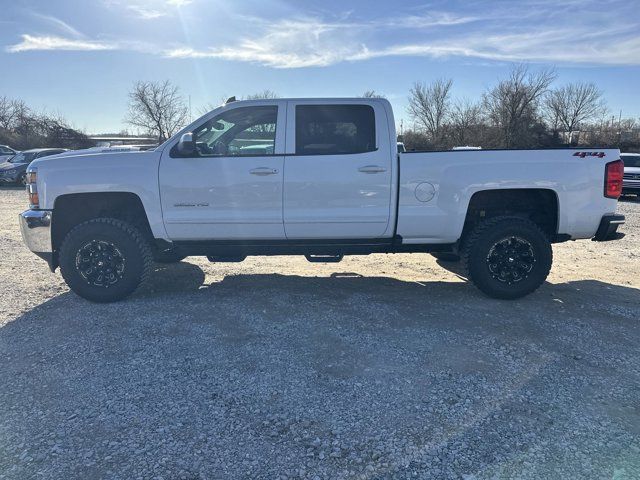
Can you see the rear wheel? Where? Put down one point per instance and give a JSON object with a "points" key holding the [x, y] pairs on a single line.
{"points": [[507, 257], [104, 259], [22, 179]]}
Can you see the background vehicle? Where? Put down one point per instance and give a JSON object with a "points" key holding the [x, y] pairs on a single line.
{"points": [[314, 177], [14, 170], [6, 153], [631, 181]]}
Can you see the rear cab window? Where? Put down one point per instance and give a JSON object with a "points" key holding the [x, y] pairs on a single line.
{"points": [[340, 129]]}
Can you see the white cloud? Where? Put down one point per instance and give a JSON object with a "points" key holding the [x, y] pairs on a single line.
{"points": [[144, 12], [58, 24], [148, 9], [310, 42], [179, 3], [35, 42], [534, 31]]}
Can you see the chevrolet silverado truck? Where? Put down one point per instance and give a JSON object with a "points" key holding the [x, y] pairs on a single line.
{"points": [[315, 177]]}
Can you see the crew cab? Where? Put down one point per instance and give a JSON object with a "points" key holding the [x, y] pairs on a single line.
{"points": [[314, 177]]}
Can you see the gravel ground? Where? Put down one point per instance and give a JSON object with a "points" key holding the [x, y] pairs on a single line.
{"points": [[377, 367]]}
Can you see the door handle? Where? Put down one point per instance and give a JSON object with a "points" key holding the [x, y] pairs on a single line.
{"points": [[372, 169], [262, 171]]}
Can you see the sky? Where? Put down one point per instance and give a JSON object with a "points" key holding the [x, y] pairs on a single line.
{"points": [[80, 58]]}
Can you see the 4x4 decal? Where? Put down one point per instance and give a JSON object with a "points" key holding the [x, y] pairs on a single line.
{"points": [[590, 154]]}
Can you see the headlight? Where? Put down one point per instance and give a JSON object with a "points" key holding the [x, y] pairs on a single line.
{"points": [[32, 188]]}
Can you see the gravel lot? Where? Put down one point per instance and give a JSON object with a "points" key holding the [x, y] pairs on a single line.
{"points": [[376, 367]]}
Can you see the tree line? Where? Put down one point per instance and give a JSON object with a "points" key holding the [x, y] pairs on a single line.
{"points": [[523, 110], [23, 128]]}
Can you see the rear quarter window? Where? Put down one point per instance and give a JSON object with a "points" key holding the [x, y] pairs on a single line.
{"points": [[335, 129]]}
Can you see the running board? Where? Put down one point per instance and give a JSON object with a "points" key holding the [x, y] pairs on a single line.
{"points": [[324, 258], [226, 259]]}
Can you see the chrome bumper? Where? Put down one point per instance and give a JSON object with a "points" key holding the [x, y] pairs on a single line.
{"points": [[35, 226]]}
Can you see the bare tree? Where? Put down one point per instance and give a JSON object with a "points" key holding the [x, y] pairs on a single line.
{"points": [[263, 95], [513, 104], [372, 94], [572, 105], [429, 106], [158, 108], [466, 122], [11, 112]]}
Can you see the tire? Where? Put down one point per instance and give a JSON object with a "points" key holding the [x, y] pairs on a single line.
{"points": [[507, 257], [105, 260], [168, 257], [446, 256], [22, 180]]}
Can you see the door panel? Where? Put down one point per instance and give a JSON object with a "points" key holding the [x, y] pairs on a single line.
{"points": [[219, 198], [231, 191], [345, 195]]}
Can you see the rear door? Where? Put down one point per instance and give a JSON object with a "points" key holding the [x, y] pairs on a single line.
{"points": [[338, 170]]}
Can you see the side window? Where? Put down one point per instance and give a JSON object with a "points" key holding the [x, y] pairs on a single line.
{"points": [[237, 132], [335, 129]]}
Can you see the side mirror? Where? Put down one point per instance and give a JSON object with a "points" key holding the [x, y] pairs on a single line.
{"points": [[186, 145]]}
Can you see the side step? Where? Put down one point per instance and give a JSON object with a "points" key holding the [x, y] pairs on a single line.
{"points": [[324, 258], [227, 259]]}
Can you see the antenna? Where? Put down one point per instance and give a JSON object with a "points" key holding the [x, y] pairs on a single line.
{"points": [[230, 99]]}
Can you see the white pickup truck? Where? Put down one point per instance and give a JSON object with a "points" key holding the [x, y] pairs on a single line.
{"points": [[314, 177]]}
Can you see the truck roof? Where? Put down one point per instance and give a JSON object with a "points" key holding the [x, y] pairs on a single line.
{"points": [[311, 99]]}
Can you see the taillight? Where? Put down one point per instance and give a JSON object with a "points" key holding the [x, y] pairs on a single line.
{"points": [[613, 172]]}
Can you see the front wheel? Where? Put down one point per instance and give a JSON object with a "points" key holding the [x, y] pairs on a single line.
{"points": [[105, 260], [168, 257], [507, 257]]}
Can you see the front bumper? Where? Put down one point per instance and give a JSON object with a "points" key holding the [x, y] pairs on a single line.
{"points": [[35, 226], [608, 227]]}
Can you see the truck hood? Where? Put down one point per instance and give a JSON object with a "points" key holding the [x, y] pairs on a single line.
{"points": [[93, 154], [95, 150]]}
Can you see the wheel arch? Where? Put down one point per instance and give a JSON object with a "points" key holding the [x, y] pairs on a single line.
{"points": [[74, 208], [540, 205]]}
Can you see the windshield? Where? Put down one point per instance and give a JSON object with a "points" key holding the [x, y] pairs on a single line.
{"points": [[631, 160], [24, 157]]}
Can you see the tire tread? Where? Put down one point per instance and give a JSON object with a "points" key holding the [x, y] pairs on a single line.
{"points": [[485, 226], [133, 232]]}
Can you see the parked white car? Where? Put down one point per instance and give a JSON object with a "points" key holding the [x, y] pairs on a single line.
{"points": [[631, 181], [315, 177]]}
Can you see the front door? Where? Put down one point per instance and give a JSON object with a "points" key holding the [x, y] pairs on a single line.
{"points": [[231, 188]]}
